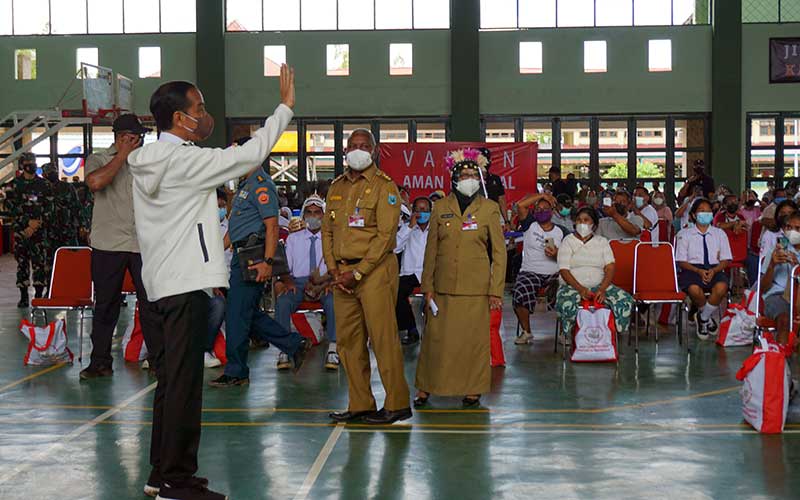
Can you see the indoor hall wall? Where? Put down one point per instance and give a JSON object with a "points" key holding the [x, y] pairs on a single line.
{"points": [[627, 86], [55, 66], [757, 93], [369, 90]]}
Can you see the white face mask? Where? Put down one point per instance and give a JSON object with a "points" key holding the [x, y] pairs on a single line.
{"points": [[313, 223], [658, 201], [468, 187], [359, 160], [794, 237], [583, 230]]}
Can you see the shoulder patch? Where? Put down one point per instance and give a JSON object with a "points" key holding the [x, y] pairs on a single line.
{"points": [[335, 197], [392, 199], [337, 179], [263, 198], [260, 178], [261, 190], [384, 175]]}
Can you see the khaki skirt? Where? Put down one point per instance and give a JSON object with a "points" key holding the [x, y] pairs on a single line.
{"points": [[455, 353]]}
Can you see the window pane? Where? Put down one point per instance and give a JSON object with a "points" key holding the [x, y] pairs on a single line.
{"points": [[576, 13], [660, 55], [541, 132], [498, 14], [651, 164], [338, 62], [178, 16], [320, 168], [537, 13], [690, 133], [431, 132], [393, 14], [791, 162], [319, 138], [149, 62], [613, 166], [25, 64], [68, 16], [614, 12], [5, 18], [274, 56], [244, 15], [651, 134], [105, 16], [763, 163], [281, 15], [500, 132], [574, 135], [88, 55], [356, 15], [431, 14], [543, 165], [594, 57], [283, 168], [763, 132], [530, 57], [684, 12], [652, 12], [348, 129], [394, 132], [401, 59], [791, 134], [613, 134], [141, 16], [318, 14], [576, 164], [31, 17]]}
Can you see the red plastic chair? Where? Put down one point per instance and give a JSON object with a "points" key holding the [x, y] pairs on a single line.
{"points": [[739, 244], [71, 286], [624, 257], [655, 281]]}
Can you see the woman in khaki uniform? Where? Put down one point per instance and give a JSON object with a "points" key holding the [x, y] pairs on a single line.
{"points": [[464, 272]]}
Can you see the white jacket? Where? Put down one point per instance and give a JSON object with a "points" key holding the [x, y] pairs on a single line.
{"points": [[175, 207]]}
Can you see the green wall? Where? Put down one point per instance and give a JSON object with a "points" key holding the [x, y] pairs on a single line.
{"points": [[56, 67], [757, 93], [368, 91], [627, 87]]}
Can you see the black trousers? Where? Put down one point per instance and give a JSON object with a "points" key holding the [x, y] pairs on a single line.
{"points": [[108, 274], [403, 311], [178, 347]]}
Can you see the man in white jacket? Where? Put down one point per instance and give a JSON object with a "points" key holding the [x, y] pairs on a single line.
{"points": [[177, 224]]}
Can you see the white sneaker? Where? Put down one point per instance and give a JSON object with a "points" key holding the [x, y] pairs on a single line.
{"points": [[283, 361], [332, 361], [524, 338], [145, 365], [211, 361], [702, 329]]}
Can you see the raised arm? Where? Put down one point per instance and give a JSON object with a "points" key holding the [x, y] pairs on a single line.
{"points": [[101, 176]]}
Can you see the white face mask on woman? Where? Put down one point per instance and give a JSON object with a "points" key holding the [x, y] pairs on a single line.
{"points": [[794, 236], [468, 187], [358, 159], [583, 230]]}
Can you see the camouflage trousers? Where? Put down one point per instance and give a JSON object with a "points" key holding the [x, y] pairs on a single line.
{"points": [[618, 300], [32, 253]]}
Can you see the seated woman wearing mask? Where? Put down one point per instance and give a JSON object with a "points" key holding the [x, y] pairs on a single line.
{"points": [[775, 275], [586, 265], [769, 238], [702, 253], [463, 275], [664, 214]]}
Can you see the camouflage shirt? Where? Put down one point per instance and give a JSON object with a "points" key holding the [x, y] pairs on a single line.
{"points": [[30, 199]]}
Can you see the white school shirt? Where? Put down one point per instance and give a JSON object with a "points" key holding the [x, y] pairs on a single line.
{"points": [[534, 260], [768, 241], [586, 261], [298, 246], [689, 246], [411, 242]]}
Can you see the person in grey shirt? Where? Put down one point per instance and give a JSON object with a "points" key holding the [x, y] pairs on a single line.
{"points": [[619, 223]]}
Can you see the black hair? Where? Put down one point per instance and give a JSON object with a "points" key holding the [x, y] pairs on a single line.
{"points": [[421, 198], [591, 212], [167, 99], [779, 189], [221, 195], [783, 204], [696, 205], [622, 192], [727, 196], [791, 216]]}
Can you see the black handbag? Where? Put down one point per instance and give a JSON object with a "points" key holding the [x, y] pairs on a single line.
{"points": [[252, 253]]}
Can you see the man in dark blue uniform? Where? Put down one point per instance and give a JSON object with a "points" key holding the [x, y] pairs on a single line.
{"points": [[254, 212]]}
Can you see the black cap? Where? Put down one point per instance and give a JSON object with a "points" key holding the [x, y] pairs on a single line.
{"points": [[130, 123]]}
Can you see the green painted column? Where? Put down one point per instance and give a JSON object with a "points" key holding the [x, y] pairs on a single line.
{"points": [[210, 61], [465, 120], [727, 141]]}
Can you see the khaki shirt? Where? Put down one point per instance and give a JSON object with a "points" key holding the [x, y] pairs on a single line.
{"points": [[372, 196], [457, 260], [113, 227]]}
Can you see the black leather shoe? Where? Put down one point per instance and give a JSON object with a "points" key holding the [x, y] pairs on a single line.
{"points": [[349, 416], [471, 402], [410, 338], [226, 381], [386, 417], [92, 372], [300, 355], [420, 401]]}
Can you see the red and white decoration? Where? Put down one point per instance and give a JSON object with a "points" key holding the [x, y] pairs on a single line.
{"points": [[595, 338], [766, 384], [309, 325], [133, 346], [46, 345]]}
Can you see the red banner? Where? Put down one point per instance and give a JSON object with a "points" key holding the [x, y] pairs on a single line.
{"points": [[420, 167]]}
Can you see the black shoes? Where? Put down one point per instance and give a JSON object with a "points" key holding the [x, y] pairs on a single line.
{"points": [[153, 485], [24, 301], [39, 292], [92, 372], [195, 488], [420, 401], [258, 344], [469, 402], [412, 337], [386, 417], [350, 416], [300, 355], [228, 381]]}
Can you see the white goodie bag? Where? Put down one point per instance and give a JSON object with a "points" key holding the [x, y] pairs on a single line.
{"points": [[737, 327], [765, 389], [46, 345], [595, 339]]}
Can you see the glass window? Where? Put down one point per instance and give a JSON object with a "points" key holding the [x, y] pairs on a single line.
{"points": [[88, 55], [283, 168], [614, 13], [31, 17], [690, 133], [25, 64], [575, 163], [178, 16], [149, 62], [282, 15], [318, 14], [348, 129], [574, 135], [68, 17], [683, 12], [401, 59], [594, 56], [431, 14], [651, 164], [498, 14], [431, 132], [393, 14], [319, 138], [791, 162], [500, 132], [660, 55], [791, 134], [651, 134], [613, 134], [105, 16], [762, 132], [652, 12], [762, 163], [141, 16], [338, 62], [356, 14], [538, 131], [245, 15], [575, 13], [537, 13], [613, 165], [530, 57], [6, 27], [543, 165], [274, 57], [394, 132]]}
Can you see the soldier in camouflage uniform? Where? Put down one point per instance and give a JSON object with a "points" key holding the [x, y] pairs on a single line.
{"points": [[30, 203], [63, 228], [86, 199]]}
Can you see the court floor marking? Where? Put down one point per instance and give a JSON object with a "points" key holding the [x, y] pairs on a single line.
{"points": [[32, 376], [319, 463], [63, 441]]}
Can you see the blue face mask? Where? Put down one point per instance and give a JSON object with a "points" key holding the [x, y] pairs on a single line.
{"points": [[779, 199], [704, 218], [565, 212], [423, 217], [223, 212]]}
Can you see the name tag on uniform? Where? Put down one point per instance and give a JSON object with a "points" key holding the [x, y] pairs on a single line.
{"points": [[355, 221], [244, 194]]}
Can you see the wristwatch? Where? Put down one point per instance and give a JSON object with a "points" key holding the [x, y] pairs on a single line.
{"points": [[269, 261], [357, 275]]}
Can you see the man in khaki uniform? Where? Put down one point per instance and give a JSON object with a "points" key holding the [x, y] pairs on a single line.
{"points": [[358, 239]]}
